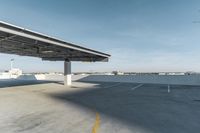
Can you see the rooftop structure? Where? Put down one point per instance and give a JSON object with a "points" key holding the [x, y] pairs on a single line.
{"points": [[23, 42]]}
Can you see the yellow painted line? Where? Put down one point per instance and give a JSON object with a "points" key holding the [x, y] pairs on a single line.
{"points": [[96, 124]]}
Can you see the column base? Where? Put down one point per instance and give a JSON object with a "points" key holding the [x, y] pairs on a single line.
{"points": [[67, 80]]}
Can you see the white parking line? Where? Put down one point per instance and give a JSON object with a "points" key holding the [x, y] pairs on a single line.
{"points": [[168, 88], [112, 85], [140, 85]]}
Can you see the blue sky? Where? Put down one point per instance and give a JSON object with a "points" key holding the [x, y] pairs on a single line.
{"points": [[141, 35]]}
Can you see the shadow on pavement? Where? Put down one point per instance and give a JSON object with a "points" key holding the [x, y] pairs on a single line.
{"points": [[150, 107]]}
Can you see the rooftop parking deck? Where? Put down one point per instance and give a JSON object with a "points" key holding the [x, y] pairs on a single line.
{"points": [[97, 106]]}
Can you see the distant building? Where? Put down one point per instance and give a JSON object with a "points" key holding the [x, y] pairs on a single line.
{"points": [[191, 73], [171, 73], [117, 73], [4, 75], [15, 72]]}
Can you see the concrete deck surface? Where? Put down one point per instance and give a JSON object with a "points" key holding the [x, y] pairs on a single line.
{"points": [[98, 107]]}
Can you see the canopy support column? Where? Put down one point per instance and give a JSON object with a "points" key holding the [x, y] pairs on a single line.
{"points": [[67, 73]]}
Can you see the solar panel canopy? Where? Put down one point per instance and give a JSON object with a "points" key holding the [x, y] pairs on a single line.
{"points": [[23, 42]]}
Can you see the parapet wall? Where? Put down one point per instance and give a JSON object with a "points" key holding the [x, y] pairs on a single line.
{"points": [[154, 79]]}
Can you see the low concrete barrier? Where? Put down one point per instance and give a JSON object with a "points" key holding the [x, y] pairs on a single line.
{"points": [[32, 77], [153, 79], [55, 77]]}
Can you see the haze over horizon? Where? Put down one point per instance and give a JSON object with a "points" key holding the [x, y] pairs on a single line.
{"points": [[141, 35]]}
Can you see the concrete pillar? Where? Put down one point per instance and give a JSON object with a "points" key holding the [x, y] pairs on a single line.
{"points": [[67, 73]]}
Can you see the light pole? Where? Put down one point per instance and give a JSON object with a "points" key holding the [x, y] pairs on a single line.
{"points": [[11, 64]]}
